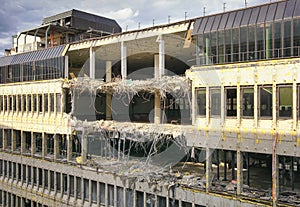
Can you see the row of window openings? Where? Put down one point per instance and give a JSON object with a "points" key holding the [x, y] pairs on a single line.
{"points": [[9, 199], [66, 184], [265, 101], [62, 143], [31, 102], [279, 39]]}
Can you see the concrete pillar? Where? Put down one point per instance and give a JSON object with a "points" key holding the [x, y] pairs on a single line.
{"points": [[275, 172], [33, 143], [69, 147], [108, 95], [56, 147], [157, 109], [13, 140], [44, 145], [157, 75], [161, 47], [239, 157], [123, 61], [84, 146], [66, 71], [92, 63], [208, 177]]}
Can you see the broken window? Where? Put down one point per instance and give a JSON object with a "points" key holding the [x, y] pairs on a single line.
{"points": [[248, 102], [215, 101], [265, 98], [231, 102], [285, 101], [201, 101]]}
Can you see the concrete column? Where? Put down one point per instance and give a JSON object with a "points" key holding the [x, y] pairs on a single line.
{"points": [[108, 95], [44, 145], [56, 147], [33, 143], [157, 109], [239, 157], [157, 75], [23, 142], [123, 61], [92, 62], [161, 46], [66, 71], [13, 140], [69, 147], [275, 172], [84, 146], [208, 177]]}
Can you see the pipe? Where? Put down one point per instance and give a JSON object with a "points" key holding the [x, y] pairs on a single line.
{"points": [[46, 37]]}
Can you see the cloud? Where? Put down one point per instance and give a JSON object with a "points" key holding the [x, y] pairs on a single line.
{"points": [[122, 14]]}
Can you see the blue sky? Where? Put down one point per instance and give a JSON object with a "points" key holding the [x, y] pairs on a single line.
{"points": [[21, 15]]}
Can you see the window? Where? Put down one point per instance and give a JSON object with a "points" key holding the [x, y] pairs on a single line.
{"points": [[86, 189], [285, 101], [231, 101], [215, 101], [71, 185], [248, 102], [201, 101], [78, 187], [265, 99]]}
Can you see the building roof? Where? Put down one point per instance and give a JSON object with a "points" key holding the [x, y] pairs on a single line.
{"points": [[248, 16]]}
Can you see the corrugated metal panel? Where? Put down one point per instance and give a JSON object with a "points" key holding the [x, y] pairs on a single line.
{"points": [[34, 56], [196, 26]]}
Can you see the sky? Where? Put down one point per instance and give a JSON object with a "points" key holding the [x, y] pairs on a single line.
{"points": [[19, 15]]}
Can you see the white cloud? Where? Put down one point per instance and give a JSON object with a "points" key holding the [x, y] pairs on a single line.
{"points": [[122, 14]]}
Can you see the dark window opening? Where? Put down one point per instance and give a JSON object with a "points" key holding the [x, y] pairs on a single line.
{"points": [[248, 102], [231, 102], [201, 101], [265, 97]]}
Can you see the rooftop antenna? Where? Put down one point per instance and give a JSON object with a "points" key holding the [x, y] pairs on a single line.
{"points": [[203, 11], [169, 19], [224, 7], [185, 15]]}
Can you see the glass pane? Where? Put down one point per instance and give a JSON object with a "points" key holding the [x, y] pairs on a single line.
{"points": [[230, 20], [228, 46], [243, 43], [196, 26], [289, 9], [277, 39], [215, 97], [262, 14], [271, 12], [296, 37], [201, 101], [223, 21], [213, 47], [269, 45], [285, 101], [216, 22], [246, 17], [280, 10], [254, 15], [260, 41], [248, 102], [231, 102], [235, 44], [209, 24], [265, 101], [238, 18], [202, 26], [287, 39], [221, 46], [297, 9]]}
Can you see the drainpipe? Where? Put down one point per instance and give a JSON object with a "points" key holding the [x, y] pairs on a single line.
{"points": [[18, 42], [46, 37]]}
